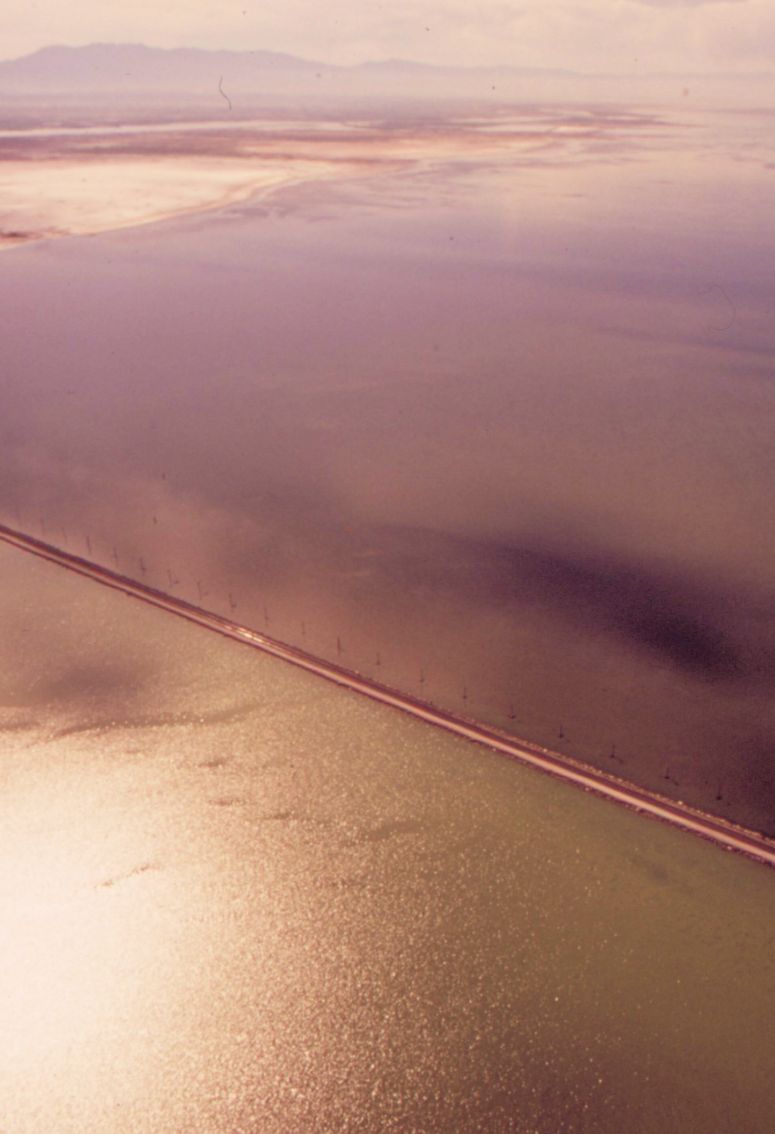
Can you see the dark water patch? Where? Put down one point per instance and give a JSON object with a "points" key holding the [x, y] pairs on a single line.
{"points": [[160, 720], [696, 647], [88, 681], [30, 681], [653, 870], [391, 830], [672, 617]]}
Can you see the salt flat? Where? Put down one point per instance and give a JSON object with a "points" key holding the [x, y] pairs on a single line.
{"points": [[80, 197], [84, 179]]}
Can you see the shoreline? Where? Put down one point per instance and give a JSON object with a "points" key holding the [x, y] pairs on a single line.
{"points": [[162, 191]]}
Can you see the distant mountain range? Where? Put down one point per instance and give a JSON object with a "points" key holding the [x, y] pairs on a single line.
{"points": [[118, 66], [130, 70], [122, 65]]}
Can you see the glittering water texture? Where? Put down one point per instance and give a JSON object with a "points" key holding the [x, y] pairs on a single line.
{"points": [[237, 898]]}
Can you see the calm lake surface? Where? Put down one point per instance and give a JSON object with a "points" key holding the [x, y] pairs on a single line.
{"points": [[496, 430]]}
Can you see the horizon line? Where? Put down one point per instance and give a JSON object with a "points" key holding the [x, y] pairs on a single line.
{"points": [[547, 69]]}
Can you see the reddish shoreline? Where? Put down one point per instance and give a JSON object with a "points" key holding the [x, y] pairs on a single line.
{"points": [[716, 830]]}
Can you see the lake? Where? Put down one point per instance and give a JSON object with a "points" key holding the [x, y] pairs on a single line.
{"points": [[490, 421]]}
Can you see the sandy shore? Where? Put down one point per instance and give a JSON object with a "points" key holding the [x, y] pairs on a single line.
{"points": [[43, 199], [80, 181]]}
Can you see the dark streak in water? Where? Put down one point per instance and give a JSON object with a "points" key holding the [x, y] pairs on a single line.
{"points": [[671, 617], [142, 869], [161, 720]]}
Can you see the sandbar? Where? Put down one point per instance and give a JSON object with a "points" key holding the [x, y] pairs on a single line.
{"points": [[43, 199]]}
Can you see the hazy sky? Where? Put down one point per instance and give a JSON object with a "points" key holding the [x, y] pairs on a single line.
{"points": [[594, 35]]}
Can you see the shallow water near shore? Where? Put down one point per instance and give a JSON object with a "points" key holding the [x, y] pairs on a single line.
{"points": [[494, 428]]}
